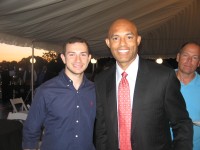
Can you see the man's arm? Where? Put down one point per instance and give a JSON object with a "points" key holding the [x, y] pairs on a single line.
{"points": [[33, 124]]}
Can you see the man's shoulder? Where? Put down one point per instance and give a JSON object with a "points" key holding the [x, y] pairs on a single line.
{"points": [[198, 75], [197, 78], [106, 73], [153, 67], [50, 83]]}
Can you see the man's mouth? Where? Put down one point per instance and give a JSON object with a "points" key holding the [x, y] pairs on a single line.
{"points": [[123, 51]]}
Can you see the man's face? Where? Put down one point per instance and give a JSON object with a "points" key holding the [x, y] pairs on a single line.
{"points": [[189, 59], [76, 58], [123, 40]]}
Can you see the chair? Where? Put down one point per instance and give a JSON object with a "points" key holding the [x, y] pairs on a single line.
{"points": [[18, 105], [17, 116]]}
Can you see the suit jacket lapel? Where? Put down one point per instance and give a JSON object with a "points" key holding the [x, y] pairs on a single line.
{"points": [[141, 81]]}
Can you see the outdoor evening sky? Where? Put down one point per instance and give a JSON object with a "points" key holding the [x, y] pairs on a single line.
{"points": [[16, 53]]}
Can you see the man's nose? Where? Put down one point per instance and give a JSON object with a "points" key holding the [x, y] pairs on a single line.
{"points": [[122, 42], [78, 58], [189, 59]]}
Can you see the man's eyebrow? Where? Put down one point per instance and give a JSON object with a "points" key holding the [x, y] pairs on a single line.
{"points": [[113, 35], [129, 33], [70, 52], [75, 52]]}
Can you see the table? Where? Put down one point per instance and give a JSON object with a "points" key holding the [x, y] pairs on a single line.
{"points": [[10, 135]]}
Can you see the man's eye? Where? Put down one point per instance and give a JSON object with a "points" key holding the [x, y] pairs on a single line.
{"points": [[130, 37], [185, 55], [115, 38], [195, 57], [84, 54], [71, 54]]}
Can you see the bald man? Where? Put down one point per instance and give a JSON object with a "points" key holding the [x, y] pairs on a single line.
{"points": [[155, 99], [188, 60]]}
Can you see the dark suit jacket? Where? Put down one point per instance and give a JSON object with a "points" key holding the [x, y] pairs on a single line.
{"points": [[157, 104]]}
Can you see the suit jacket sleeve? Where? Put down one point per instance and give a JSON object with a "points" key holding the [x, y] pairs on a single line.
{"points": [[180, 122], [100, 127]]}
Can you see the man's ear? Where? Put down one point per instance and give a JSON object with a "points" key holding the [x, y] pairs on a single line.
{"points": [[90, 56], [177, 57], [63, 58], [139, 40], [107, 42]]}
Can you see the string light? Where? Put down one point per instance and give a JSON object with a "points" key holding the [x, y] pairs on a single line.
{"points": [[93, 61], [34, 60], [159, 60]]}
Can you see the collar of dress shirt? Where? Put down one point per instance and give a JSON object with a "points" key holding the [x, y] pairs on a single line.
{"points": [[131, 71]]}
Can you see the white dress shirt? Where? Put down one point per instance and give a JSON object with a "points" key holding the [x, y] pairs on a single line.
{"points": [[132, 74]]}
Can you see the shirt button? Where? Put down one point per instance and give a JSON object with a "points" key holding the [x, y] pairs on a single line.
{"points": [[76, 136], [77, 92], [68, 85], [77, 106], [76, 121]]}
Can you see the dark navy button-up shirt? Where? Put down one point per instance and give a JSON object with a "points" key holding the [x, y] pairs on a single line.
{"points": [[66, 114]]}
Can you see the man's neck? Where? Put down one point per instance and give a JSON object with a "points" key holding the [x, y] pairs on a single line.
{"points": [[77, 80], [185, 78]]}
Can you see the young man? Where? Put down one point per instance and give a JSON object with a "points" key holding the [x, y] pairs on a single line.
{"points": [[142, 103], [65, 105], [188, 60]]}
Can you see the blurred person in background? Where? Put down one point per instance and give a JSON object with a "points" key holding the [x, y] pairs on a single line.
{"points": [[6, 84], [188, 60]]}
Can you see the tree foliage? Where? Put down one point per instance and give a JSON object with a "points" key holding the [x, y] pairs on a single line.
{"points": [[50, 56]]}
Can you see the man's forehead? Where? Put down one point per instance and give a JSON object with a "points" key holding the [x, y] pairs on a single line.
{"points": [[192, 47], [122, 26]]}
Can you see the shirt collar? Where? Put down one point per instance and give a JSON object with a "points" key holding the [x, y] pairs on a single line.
{"points": [[192, 82], [68, 80], [132, 68]]}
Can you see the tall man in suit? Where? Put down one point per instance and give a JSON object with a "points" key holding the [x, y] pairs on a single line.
{"points": [[156, 101]]}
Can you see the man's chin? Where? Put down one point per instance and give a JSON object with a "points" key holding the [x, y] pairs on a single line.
{"points": [[78, 72], [189, 72]]}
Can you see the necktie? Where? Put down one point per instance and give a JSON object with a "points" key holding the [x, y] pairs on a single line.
{"points": [[124, 113]]}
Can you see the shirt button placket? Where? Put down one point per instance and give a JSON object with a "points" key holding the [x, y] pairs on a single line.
{"points": [[77, 116]]}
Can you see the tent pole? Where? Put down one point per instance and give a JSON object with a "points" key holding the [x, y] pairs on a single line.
{"points": [[32, 72]]}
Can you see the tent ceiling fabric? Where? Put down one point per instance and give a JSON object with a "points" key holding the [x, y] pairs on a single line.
{"points": [[163, 24]]}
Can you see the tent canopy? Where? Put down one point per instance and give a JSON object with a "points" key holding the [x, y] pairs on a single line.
{"points": [[163, 24]]}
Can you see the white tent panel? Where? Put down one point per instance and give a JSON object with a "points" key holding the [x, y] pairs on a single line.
{"points": [[163, 24]]}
